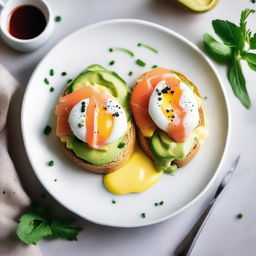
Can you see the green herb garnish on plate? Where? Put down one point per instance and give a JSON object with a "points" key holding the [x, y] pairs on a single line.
{"points": [[237, 43], [140, 63], [51, 163], [47, 130], [239, 216], [51, 72], [37, 224], [58, 19]]}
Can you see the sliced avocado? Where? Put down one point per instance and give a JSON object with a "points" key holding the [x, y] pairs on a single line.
{"points": [[166, 150], [199, 5], [94, 156], [95, 67], [158, 148], [106, 81]]}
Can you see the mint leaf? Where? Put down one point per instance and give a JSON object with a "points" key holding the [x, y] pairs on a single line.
{"points": [[229, 33], [252, 42], [244, 15], [38, 224], [32, 228], [237, 81], [249, 57], [251, 60], [251, 66], [62, 229], [218, 51]]}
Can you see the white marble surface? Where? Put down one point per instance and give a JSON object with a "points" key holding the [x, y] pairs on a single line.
{"points": [[223, 235]]}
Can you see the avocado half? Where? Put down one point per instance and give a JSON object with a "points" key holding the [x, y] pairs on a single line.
{"points": [[199, 5]]}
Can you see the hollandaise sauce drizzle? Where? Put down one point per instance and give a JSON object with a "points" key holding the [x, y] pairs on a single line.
{"points": [[137, 175]]}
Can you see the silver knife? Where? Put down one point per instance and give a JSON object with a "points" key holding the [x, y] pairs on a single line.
{"points": [[187, 244]]}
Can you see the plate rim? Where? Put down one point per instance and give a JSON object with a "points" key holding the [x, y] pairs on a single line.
{"points": [[187, 42]]}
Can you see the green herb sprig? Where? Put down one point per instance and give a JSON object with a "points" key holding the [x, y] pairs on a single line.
{"points": [[38, 224], [237, 43]]}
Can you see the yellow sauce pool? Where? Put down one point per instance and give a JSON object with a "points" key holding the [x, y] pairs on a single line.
{"points": [[137, 175]]}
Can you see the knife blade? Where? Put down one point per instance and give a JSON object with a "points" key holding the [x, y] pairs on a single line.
{"points": [[227, 177], [187, 244]]}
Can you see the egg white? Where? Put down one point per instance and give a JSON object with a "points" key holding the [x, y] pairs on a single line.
{"points": [[77, 117], [188, 102]]}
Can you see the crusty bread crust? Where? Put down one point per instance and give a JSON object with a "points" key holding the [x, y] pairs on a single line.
{"points": [[144, 142], [123, 157]]}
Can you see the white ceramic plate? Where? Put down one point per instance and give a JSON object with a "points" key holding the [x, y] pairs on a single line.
{"points": [[83, 192]]}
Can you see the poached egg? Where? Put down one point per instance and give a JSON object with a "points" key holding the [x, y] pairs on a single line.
{"points": [[110, 121], [174, 109]]}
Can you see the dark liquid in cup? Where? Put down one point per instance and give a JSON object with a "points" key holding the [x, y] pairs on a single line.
{"points": [[26, 22]]}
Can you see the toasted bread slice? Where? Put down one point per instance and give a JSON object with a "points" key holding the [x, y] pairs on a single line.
{"points": [[144, 142], [123, 157]]}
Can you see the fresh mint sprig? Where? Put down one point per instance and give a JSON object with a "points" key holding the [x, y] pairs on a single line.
{"points": [[237, 41], [37, 224]]}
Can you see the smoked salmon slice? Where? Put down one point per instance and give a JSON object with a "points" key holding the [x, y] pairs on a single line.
{"points": [[141, 95], [140, 99]]}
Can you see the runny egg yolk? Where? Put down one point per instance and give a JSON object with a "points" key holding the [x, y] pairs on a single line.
{"points": [[104, 125], [173, 111], [137, 175], [166, 106]]}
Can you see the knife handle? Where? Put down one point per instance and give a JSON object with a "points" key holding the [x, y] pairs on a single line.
{"points": [[187, 244]]}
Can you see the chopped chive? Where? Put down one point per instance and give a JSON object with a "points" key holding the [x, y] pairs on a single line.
{"points": [[111, 63], [239, 216], [147, 47], [51, 163], [47, 130], [51, 89], [57, 18], [122, 50], [69, 81], [46, 81], [159, 203], [143, 215], [154, 66], [140, 63], [121, 145], [55, 180], [205, 97], [130, 73], [113, 201], [51, 72], [80, 125], [63, 73]]}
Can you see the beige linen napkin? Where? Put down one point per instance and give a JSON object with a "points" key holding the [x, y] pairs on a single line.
{"points": [[13, 199]]}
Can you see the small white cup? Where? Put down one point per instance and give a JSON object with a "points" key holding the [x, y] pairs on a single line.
{"points": [[25, 45]]}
